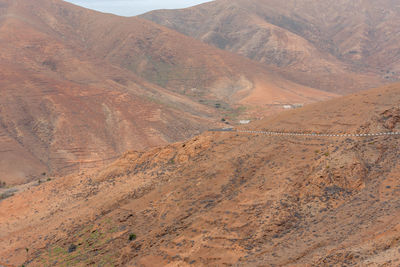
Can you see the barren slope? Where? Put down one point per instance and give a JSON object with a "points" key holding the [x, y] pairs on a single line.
{"points": [[78, 86], [227, 198], [61, 107], [182, 64], [339, 46]]}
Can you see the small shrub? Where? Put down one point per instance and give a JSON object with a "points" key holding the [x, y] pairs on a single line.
{"points": [[72, 248], [132, 236], [8, 193]]}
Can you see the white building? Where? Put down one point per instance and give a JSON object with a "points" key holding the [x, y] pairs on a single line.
{"points": [[294, 106]]}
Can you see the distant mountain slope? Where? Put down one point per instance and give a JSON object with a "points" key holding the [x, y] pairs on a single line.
{"points": [[79, 86], [61, 108], [337, 46], [228, 198], [182, 64]]}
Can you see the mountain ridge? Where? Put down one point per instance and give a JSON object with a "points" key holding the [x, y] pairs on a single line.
{"points": [[322, 45], [228, 198], [81, 86]]}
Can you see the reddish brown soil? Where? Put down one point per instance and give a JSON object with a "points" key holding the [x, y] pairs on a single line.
{"points": [[228, 199], [341, 46], [78, 87]]}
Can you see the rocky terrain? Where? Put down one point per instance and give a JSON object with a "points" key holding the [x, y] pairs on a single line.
{"points": [[228, 198], [79, 88], [105, 157], [341, 46]]}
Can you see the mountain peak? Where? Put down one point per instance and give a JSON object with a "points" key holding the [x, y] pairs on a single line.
{"points": [[345, 44]]}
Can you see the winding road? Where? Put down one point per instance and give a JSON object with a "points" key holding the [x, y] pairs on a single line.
{"points": [[305, 134]]}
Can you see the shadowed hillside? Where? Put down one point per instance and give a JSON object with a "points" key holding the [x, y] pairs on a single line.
{"points": [[340, 46]]}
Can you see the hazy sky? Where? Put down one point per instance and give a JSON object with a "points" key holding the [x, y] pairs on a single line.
{"points": [[134, 7]]}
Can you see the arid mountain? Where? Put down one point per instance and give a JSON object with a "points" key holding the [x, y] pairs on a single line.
{"points": [[185, 65], [78, 87], [60, 107], [228, 198], [339, 46]]}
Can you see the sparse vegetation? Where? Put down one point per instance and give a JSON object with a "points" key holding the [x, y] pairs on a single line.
{"points": [[132, 236], [234, 113], [81, 251], [243, 195], [8, 193], [72, 248]]}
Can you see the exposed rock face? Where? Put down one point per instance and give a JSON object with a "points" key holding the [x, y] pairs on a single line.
{"points": [[391, 118], [228, 198], [337, 46]]}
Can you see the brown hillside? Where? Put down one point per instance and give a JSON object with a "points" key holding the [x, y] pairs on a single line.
{"points": [[182, 64], [79, 86], [228, 199], [340, 46], [60, 106]]}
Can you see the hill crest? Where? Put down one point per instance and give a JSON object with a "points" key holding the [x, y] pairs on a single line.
{"points": [[228, 198]]}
